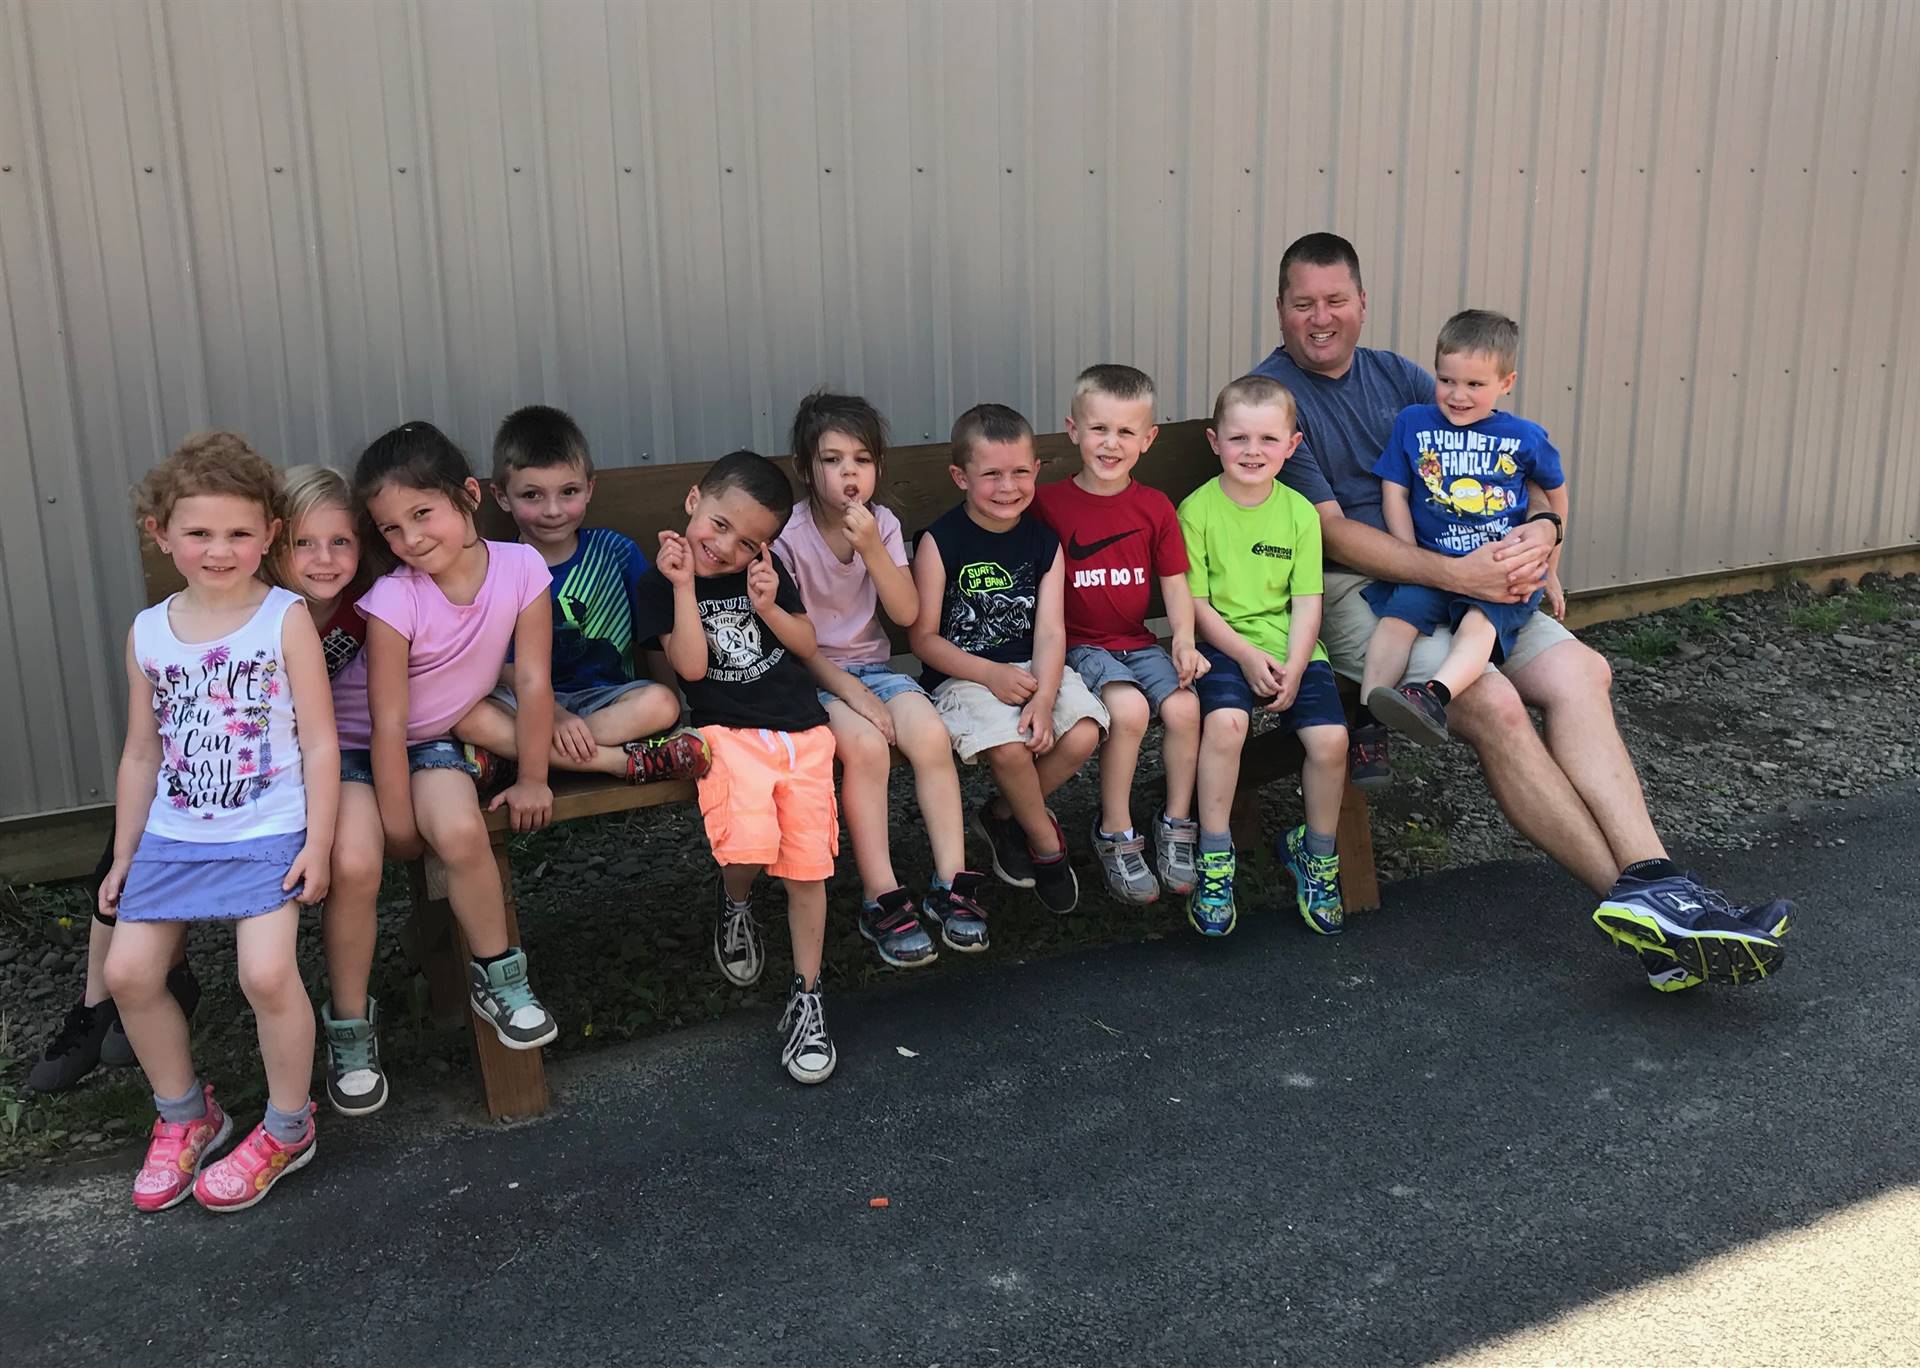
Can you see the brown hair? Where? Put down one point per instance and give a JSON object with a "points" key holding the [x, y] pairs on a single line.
{"points": [[848, 414], [207, 463], [1125, 383], [1480, 332], [538, 437], [986, 423], [1254, 391], [1320, 249]]}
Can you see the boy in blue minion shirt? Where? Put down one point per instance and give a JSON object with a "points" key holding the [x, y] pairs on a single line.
{"points": [[1457, 474]]}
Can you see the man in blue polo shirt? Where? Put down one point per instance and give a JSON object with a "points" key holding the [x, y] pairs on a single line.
{"points": [[1575, 794]]}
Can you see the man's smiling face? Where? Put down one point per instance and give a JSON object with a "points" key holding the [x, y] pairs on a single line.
{"points": [[1321, 313]]}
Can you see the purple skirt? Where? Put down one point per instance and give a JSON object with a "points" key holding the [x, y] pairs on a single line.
{"points": [[208, 881]]}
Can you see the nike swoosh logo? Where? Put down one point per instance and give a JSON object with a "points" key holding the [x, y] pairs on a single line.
{"points": [[1078, 551]]}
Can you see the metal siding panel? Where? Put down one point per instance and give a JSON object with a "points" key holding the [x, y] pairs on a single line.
{"points": [[1722, 343]]}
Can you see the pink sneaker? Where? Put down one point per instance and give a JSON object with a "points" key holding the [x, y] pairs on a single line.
{"points": [[175, 1154], [253, 1166]]}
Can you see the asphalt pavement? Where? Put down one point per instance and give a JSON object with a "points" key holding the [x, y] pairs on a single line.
{"points": [[1465, 1131]]}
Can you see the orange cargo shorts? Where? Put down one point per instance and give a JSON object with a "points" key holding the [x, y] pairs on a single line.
{"points": [[769, 800]]}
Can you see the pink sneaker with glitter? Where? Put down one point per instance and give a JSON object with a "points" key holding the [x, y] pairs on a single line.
{"points": [[175, 1154], [253, 1166]]}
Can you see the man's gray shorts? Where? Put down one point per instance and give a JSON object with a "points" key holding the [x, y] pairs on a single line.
{"points": [[1347, 623], [579, 702]]}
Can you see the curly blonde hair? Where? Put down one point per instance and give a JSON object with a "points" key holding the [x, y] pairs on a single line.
{"points": [[306, 489], [207, 463]]}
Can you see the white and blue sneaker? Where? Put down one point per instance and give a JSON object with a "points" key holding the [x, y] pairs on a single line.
{"points": [[1689, 926]]}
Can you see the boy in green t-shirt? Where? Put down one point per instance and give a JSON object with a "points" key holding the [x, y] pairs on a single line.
{"points": [[1253, 551]]}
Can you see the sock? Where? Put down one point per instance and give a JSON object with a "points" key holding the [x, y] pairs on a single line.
{"points": [[1363, 717], [1651, 869], [1318, 843], [189, 1106], [486, 960], [286, 1127], [1440, 691], [1213, 842], [1127, 835]]}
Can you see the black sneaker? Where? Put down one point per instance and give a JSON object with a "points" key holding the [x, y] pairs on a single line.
{"points": [[1006, 846], [736, 940], [1412, 711], [808, 1053], [963, 921], [893, 925], [74, 1050], [1368, 765], [1053, 878]]}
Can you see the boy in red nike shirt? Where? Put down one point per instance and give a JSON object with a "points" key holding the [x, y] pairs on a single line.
{"points": [[1119, 537]]}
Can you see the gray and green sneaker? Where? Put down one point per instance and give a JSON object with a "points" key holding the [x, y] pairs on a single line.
{"points": [[1176, 843], [355, 1084], [502, 997], [1316, 882], [1210, 905]]}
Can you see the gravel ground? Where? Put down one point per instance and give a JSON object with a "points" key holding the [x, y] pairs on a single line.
{"points": [[1733, 709]]}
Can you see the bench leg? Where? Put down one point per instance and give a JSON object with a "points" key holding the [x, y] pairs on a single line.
{"points": [[513, 1082], [1359, 884]]}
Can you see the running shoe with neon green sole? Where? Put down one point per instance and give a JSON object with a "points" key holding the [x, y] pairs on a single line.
{"points": [[1316, 883], [1666, 975], [1210, 906]]}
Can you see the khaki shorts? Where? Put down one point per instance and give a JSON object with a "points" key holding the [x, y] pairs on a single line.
{"points": [[1347, 623], [768, 800], [977, 721]]}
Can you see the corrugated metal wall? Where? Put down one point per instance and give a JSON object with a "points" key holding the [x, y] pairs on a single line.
{"points": [[308, 220]]}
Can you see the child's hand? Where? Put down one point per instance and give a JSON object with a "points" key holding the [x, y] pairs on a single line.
{"points": [[529, 805], [1036, 724], [571, 738], [1288, 680], [861, 527], [675, 560], [1556, 600], [1011, 684], [870, 707], [309, 870], [1189, 664], [1263, 674], [111, 885], [763, 581]]}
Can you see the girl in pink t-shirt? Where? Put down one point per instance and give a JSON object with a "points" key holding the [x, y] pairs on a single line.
{"points": [[438, 629], [847, 556]]}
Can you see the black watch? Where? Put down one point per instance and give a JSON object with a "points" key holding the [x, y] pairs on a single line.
{"points": [[1559, 528]]}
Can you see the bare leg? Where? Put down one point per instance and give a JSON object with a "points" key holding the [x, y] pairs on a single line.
{"points": [[1467, 656], [1066, 759], [1180, 749], [1323, 776], [270, 977], [1223, 734], [448, 811], [136, 972], [1572, 686], [807, 925], [1387, 652], [864, 763], [644, 712], [922, 738], [1528, 783], [491, 727], [349, 926], [1018, 780], [1120, 753], [99, 939]]}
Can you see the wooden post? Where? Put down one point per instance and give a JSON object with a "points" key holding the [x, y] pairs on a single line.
{"points": [[1359, 884], [430, 941]]}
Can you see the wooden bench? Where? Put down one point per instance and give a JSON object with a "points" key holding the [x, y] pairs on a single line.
{"points": [[639, 502]]}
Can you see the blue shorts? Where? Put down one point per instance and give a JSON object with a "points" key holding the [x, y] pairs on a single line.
{"points": [[1149, 668], [1427, 608], [885, 682], [580, 702], [356, 766], [1317, 704]]}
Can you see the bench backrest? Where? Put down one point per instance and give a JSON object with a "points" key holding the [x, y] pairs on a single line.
{"points": [[642, 500]]}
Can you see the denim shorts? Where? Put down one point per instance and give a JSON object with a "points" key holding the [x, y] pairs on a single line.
{"points": [[885, 682], [1427, 608], [580, 702], [356, 766], [1149, 668], [1317, 704]]}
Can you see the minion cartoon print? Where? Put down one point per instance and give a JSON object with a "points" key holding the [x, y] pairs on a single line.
{"points": [[1468, 485]]}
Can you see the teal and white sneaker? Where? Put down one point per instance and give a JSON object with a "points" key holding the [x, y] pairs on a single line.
{"points": [[1210, 905], [355, 1084], [1667, 975], [1316, 882], [502, 997]]}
